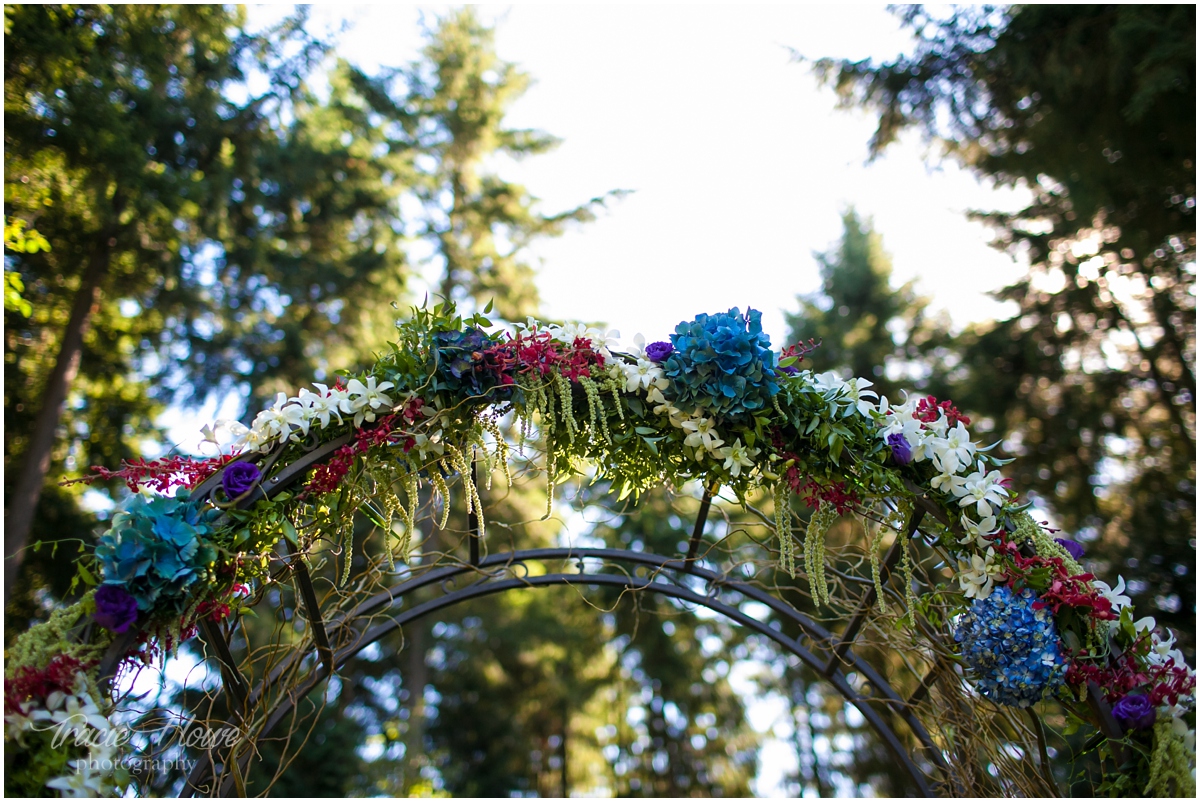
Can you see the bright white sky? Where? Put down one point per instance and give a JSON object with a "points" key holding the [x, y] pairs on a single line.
{"points": [[739, 163]]}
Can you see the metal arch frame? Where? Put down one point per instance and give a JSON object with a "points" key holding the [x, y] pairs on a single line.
{"points": [[338, 640], [498, 574]]}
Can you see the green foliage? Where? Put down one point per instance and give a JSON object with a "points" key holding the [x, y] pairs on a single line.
{"points": [[1092, 381], [18, 240]]}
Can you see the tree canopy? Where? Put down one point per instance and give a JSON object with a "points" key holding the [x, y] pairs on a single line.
{"points": [[1093, 109]]}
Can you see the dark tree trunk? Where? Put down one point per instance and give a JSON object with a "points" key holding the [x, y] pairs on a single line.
{"points": [[18, 518]]}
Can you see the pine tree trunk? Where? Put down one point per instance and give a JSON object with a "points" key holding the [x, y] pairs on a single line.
{"points": [[35, 465]]}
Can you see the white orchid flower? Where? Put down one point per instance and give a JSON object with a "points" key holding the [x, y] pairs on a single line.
{"points": [[19, 722], [829, 380], [976, 532], [600, 341], [945, 482], [1115, 595], [366, 400], [908, 409], [953, 451], [940, 426], [1181, 729], [63, 709], [427, 444], [278, 421], [981, 488], [701, 433], [321, 406], [976, 576], [665, 407], [641, 375], [737, 456], [860, 396], [83, 781], [638, 351]]}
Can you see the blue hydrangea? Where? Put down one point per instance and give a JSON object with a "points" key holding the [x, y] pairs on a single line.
{"points": [[460, 364], [1012, 651], [156, 549], [724, 363]]}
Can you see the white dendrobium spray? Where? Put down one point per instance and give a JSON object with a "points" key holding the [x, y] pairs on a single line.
{"points": [[427, 445], [277, 422], [850, 393], [1116, 596], [320, 407], [601, 341]]}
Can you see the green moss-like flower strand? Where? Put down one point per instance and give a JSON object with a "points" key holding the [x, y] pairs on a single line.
{"points": [[1170, 772], [783, 529], [568, 408], [814, 551]]}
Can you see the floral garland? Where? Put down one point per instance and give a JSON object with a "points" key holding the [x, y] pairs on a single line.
{"points": [[713, 403]]}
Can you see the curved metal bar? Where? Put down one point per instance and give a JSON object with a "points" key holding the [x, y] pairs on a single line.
{"points": [[822, 637], [490, 585]]}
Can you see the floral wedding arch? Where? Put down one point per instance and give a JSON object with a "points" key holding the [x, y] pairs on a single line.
{"points": [[1008, 618]]}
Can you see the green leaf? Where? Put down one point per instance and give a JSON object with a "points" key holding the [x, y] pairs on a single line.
{"points": [[86, 576], [645, 430], [289, 532]]}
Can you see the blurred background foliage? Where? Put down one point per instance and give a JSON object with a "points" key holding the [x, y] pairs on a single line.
{"points": [[185, 213]]}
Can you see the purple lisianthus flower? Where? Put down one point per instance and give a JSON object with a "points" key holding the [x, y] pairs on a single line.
{"points": [[901, 452], [657, 352], [115, 609], [1073, 548], [1135, 712], [239, 477]]}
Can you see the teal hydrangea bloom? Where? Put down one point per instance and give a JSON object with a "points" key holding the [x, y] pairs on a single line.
{"points": [[1012, 651], [156, 549], [724, 363]]}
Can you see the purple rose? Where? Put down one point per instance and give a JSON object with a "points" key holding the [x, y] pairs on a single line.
{"points": [[239, 477], [1073, 548], [115, 609], [657, 352], [1135, 712], [901, 452]]}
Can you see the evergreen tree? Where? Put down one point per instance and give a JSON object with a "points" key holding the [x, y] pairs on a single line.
{"points": [[1092, 108], [865, 326], [451, 106], [195, 242]]}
